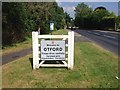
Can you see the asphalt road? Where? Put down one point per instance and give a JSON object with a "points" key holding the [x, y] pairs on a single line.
{"points": [[107, 39]]}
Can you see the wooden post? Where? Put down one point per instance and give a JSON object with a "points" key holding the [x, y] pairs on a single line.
{"points": [[70, 49], [35, 50]]}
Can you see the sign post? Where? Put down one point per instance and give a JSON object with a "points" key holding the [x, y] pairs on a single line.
{"points": [[57, 50], [35, 50]]}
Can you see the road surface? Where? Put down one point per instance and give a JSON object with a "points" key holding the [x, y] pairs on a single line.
{"points": [[107, 39]]}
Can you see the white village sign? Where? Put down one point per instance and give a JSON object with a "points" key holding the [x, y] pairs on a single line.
{"points": [[52, 50], [48, 50]]}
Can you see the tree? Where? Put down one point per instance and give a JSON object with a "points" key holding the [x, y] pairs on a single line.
{"points": [[104, 19], [117, 21], [13, 22], [19, 19], [58, 15], [98, 19], [81, 12], [68, 20]]}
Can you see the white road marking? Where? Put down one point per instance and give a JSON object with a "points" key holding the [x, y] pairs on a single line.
{"points": [[94, 33], [103, 35], [97, 33], [103, 31], [109, 36]]}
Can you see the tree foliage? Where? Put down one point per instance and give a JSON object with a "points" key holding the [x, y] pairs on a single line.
{"points": [[85, 17], [19, 19], [82, 10], [118, 22], [13, 22], [68, 20]]}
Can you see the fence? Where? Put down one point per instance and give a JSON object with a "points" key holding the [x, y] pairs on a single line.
{"points": [[37, 62]]}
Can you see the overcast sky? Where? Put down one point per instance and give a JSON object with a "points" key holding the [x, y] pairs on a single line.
{"points": [[69, 7]]}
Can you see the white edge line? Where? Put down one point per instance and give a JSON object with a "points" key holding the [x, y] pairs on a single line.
{"points": [[109, 36]]}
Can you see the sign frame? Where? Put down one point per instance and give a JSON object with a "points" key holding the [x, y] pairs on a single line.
{"points": [[37, 62]]}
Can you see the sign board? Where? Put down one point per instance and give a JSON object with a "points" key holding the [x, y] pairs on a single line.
{"points": [[52, 50], [51, 26]]}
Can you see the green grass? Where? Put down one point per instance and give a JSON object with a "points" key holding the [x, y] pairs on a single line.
{"points": [[16, 47], [94, 68], [60, 32]]}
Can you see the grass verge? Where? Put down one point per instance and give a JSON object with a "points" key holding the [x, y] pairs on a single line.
{"points": [[94, 68], [17, 47], [60, 32]]}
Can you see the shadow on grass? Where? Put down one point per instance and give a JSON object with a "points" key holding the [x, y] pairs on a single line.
{"points": [[53, 62], [47, 62], [31, 61]]}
